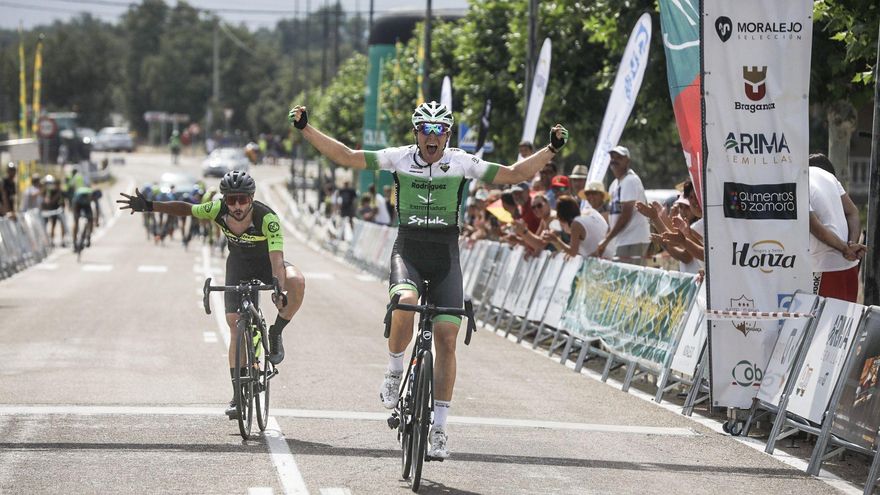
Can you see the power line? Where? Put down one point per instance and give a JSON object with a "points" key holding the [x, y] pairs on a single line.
{"points": [[52, 9], [222, 10]]}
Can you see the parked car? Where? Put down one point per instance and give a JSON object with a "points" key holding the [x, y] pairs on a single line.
{"points": [[224, 160], [181, 181], [113, 139]]}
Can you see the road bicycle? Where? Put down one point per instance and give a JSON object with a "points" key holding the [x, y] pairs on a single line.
{"points": [[415, 407], [250, 347]]}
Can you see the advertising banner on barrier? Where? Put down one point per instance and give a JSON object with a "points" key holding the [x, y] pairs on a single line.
{"points": [[756, 82], [784, 353], [505, 279], [635, 311], [687, 354], [546, 286], [524, 299], [623, 96], [824, 359], [560, 297], [858, 412]]}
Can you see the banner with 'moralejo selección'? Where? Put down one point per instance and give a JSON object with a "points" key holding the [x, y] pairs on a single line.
{"points": [[756, 80]]}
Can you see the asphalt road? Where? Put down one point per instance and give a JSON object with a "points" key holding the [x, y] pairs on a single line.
{"points": [[114, 381]]}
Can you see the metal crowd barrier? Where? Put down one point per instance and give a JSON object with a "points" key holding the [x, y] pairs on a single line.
{"points": [[23, 242]]}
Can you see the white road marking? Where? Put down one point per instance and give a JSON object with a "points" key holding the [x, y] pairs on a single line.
{"points": [[47, 266], [335, 491], [23, 410], [152, 269], [260, 490], [217, 307], [366, 278], [210, 337], [93, 267], [318, 276], [282, 457]]}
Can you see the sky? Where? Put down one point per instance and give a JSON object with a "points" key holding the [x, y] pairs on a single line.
{"points": [[254, 13]]}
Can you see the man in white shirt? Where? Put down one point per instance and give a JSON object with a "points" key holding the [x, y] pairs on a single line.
{"points": [[381, 206], [834, 234], [630, 232]]}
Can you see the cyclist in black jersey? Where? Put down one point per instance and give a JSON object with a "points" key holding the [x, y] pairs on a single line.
{"points": [[430, 179], [256, 251]]}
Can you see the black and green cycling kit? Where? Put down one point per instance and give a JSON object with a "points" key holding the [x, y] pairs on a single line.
{"points": [[249, 252], [428, 200]]}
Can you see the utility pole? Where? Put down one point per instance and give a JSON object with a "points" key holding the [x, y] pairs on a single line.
{"points": [[337, 11], [371, 19], [872, 285], [426, 63], [532, 45]]}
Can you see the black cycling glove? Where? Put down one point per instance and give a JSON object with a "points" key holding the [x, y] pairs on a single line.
{"points": [[136, 203], [556, 143], [303, 118]]}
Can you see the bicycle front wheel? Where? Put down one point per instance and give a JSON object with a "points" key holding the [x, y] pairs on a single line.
{"points": [[422, 416], [264, 372], [244, 357]]}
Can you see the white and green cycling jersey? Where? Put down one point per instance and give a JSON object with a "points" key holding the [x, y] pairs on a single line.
{"points": [[428, 196]]}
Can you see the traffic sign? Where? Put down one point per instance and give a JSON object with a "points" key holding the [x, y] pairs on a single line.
{"points": [[46, 127]]}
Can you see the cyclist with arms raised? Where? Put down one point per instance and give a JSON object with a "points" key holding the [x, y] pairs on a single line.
{"points": [[255, 252], [430, 179]]}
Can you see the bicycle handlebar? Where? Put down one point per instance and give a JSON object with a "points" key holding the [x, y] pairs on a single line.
{"points": [[244, 286], [467, 312]]}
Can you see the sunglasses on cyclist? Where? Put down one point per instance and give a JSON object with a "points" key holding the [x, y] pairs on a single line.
{"points": [[240, 199], [427, 128]]}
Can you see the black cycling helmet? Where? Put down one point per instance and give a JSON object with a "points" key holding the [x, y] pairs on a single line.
{"points": [[237, 181]]}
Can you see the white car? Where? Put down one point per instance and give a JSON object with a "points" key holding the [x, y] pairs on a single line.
{"points": [[224, 160], [113, 139]]}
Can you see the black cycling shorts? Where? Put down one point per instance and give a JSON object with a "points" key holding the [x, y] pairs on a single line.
{"points": [[414, 261], [239, 269]]}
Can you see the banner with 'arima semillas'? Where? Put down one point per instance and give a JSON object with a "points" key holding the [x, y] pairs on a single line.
{"points": [[756, 80]]}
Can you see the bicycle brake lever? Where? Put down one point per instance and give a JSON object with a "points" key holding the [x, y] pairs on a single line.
{"points": [[391, 306], [206, 300]]}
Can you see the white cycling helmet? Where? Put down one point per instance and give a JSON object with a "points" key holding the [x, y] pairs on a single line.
{"points": [[432, 112]]}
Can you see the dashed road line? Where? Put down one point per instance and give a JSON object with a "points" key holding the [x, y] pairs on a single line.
{"points": [[94, 267], [282, 457], [318, 276], [210, 337], [152, 269], [47, 266], [335, 491]]}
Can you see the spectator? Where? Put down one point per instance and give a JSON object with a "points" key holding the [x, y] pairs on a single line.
{"points": [[535, 241], [389, 204], [174, 144], [509, 204], [382, 217], [559, 186], [345, 198], [596, 197], [481, 223], [834, 234], [526, 149], [578, 179], [585, 230], [33, 195], [679, 233], [367, 212], [10, 189], [545, 179], [630, 232], [524, 201]]}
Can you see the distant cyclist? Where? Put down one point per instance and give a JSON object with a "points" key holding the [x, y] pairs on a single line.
{"points": [[82, 200], [430, 180], [256, 251]]}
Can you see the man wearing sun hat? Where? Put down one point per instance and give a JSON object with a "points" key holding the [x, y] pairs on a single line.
{"points": [[630, 231], [594, 196]]}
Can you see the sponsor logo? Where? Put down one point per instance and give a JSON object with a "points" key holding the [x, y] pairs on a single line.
{"points": [[274, 227], [416, 220], [790, 349], [840, 330], [444, 168], [755, 89], [208, 207], [427, 185], [755, 82], [784, 301], [724, 28], [416, 171], [426, 335], [426, 200], [743, 303], [765, 255], [747, 374], [757, 148], [760, 201], [804, 380]]}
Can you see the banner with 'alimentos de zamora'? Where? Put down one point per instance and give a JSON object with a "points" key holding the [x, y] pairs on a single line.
{"points": [[756, 80]]}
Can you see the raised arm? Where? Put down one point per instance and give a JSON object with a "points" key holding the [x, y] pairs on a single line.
{"points": [[139, 203], [332, 149], [526, 168]]}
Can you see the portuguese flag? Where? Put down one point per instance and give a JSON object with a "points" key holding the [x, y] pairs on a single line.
{"points": [[680, 24]]}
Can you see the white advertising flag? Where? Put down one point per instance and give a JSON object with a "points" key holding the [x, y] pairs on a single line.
{"points": [[536, 97], [623, 96], [756, 81], [446, 93]]}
